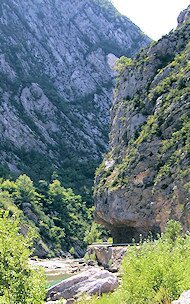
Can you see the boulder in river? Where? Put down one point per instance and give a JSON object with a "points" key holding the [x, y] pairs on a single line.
{"points": [[92, 281]]}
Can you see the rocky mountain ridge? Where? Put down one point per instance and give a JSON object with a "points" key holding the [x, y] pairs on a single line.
{"points": [[144, 179], [56, 83]]}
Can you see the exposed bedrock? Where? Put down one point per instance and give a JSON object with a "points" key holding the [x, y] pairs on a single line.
{"points": [[56, 83], [144, 179]]}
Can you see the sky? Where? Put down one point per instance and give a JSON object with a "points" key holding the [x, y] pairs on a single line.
{"points": [[154, 17]]}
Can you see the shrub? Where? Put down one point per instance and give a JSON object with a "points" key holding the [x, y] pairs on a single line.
{"points": [[122, 63], [154, 272], [93, 235], [18, 282], [158, 272]]}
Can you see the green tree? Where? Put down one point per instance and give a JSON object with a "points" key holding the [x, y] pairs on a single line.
{"points": [[70, 212], [19, 283], [26, 192], [122, 63], [8, 185], [59, 216], [93, 235]]}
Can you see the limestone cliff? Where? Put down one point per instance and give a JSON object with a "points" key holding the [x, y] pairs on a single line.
{"points": [[145, 178], [56, 81]]}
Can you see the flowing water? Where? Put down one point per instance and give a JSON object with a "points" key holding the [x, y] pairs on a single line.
{"points": [[55, 278], [59, 269]]}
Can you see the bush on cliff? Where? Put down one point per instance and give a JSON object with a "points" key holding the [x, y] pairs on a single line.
{"points": [[155, 272], [18, 282]]}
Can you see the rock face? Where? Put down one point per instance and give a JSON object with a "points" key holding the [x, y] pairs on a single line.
{"points": [[144, 179], [93, 281], [107, 256], [184, 16], [56, 83]]}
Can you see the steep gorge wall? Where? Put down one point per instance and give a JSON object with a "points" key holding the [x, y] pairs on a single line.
{"points": [[144, 179], [56, 84]]}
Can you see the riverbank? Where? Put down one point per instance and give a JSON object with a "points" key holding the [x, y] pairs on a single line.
{"points": [[58, 269]]}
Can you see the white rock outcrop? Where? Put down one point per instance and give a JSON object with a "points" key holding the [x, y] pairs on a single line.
{"points": [[184, 298]]}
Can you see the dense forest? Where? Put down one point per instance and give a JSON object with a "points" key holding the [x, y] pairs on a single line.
{"points": [[59, 217]]}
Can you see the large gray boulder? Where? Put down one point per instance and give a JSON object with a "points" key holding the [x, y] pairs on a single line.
{"points": [[108, 256], [184, 298], [92, 281]]}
